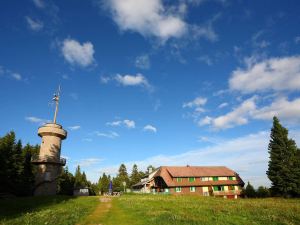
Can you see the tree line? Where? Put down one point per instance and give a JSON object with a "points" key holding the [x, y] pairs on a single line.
{"points": [[17, 174]]}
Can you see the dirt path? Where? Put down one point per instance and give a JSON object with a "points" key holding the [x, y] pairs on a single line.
{"points": [[101, 210]]}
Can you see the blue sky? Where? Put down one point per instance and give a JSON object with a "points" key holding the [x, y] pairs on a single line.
{"points": [[153, 82]]}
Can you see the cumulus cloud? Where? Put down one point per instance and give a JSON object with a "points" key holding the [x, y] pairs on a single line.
{"points": [[150, 128], [237, 116], [77, 127], [156, 19], [286, 110], [142, 62], [128, 80], [275, 74], [127, 123], [149, 18], [131, 80], [78, 54], [34, 25]]}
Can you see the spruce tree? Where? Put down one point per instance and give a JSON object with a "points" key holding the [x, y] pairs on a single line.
{"points": [[249, 191], [135, 175], [282, 169]]}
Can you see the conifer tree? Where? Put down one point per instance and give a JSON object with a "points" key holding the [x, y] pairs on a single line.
{"points": [[282, 170], [135, 175], [249, 191]]}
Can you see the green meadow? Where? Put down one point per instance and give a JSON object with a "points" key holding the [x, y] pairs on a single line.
{"points": [[149, 209]]}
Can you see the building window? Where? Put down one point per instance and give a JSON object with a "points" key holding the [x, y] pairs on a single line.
{"points": [[204, 178], [166, 190], [231, 187], [179, 179], [192, 179], [178, 189], [218, 188], [230, 178], [215, 178], [192, 189]]}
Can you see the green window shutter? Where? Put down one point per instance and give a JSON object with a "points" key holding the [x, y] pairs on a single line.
{"points": [[192, 189], [179, 179], [215, 188], [191, 179], [215, 178], [230, 178]]}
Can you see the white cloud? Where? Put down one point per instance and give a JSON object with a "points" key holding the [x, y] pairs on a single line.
{"points": [[127, 123], [286, 110], [132, 80], [205, 121], [110, 134], [199, 101], [277, 74], [142, 62], [104, 80], [222, 105], [77, 127], [34, 25], [196, 104], [39, 3], [149, 18], [297, 39], [150, 128], [34, 119], [237, 116], [16, 76], [76, 53], [7, 73]]}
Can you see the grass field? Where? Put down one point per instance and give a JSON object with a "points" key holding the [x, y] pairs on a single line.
{"points": [[58, 210], [149, 209]]}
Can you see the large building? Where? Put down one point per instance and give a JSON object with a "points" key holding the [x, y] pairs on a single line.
{"points": [[201, 180]]}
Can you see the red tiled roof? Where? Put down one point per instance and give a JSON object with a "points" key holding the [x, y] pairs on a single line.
{"points": [[168, 173], [199, 171]]}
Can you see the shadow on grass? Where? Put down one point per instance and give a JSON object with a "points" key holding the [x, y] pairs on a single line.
{"points": [[15, 207]]}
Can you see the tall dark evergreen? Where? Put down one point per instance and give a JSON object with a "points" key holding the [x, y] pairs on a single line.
{"points": [[16, 171], [249, 191], [103, 183], [283, 170], [65, 182], [121, 177], [135, 176]]}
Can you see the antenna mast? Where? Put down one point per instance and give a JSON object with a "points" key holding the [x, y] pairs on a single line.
{"points": [[56, 99]]}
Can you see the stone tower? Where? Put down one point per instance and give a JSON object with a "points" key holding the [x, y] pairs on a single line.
{"points": [[49, 163]]}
